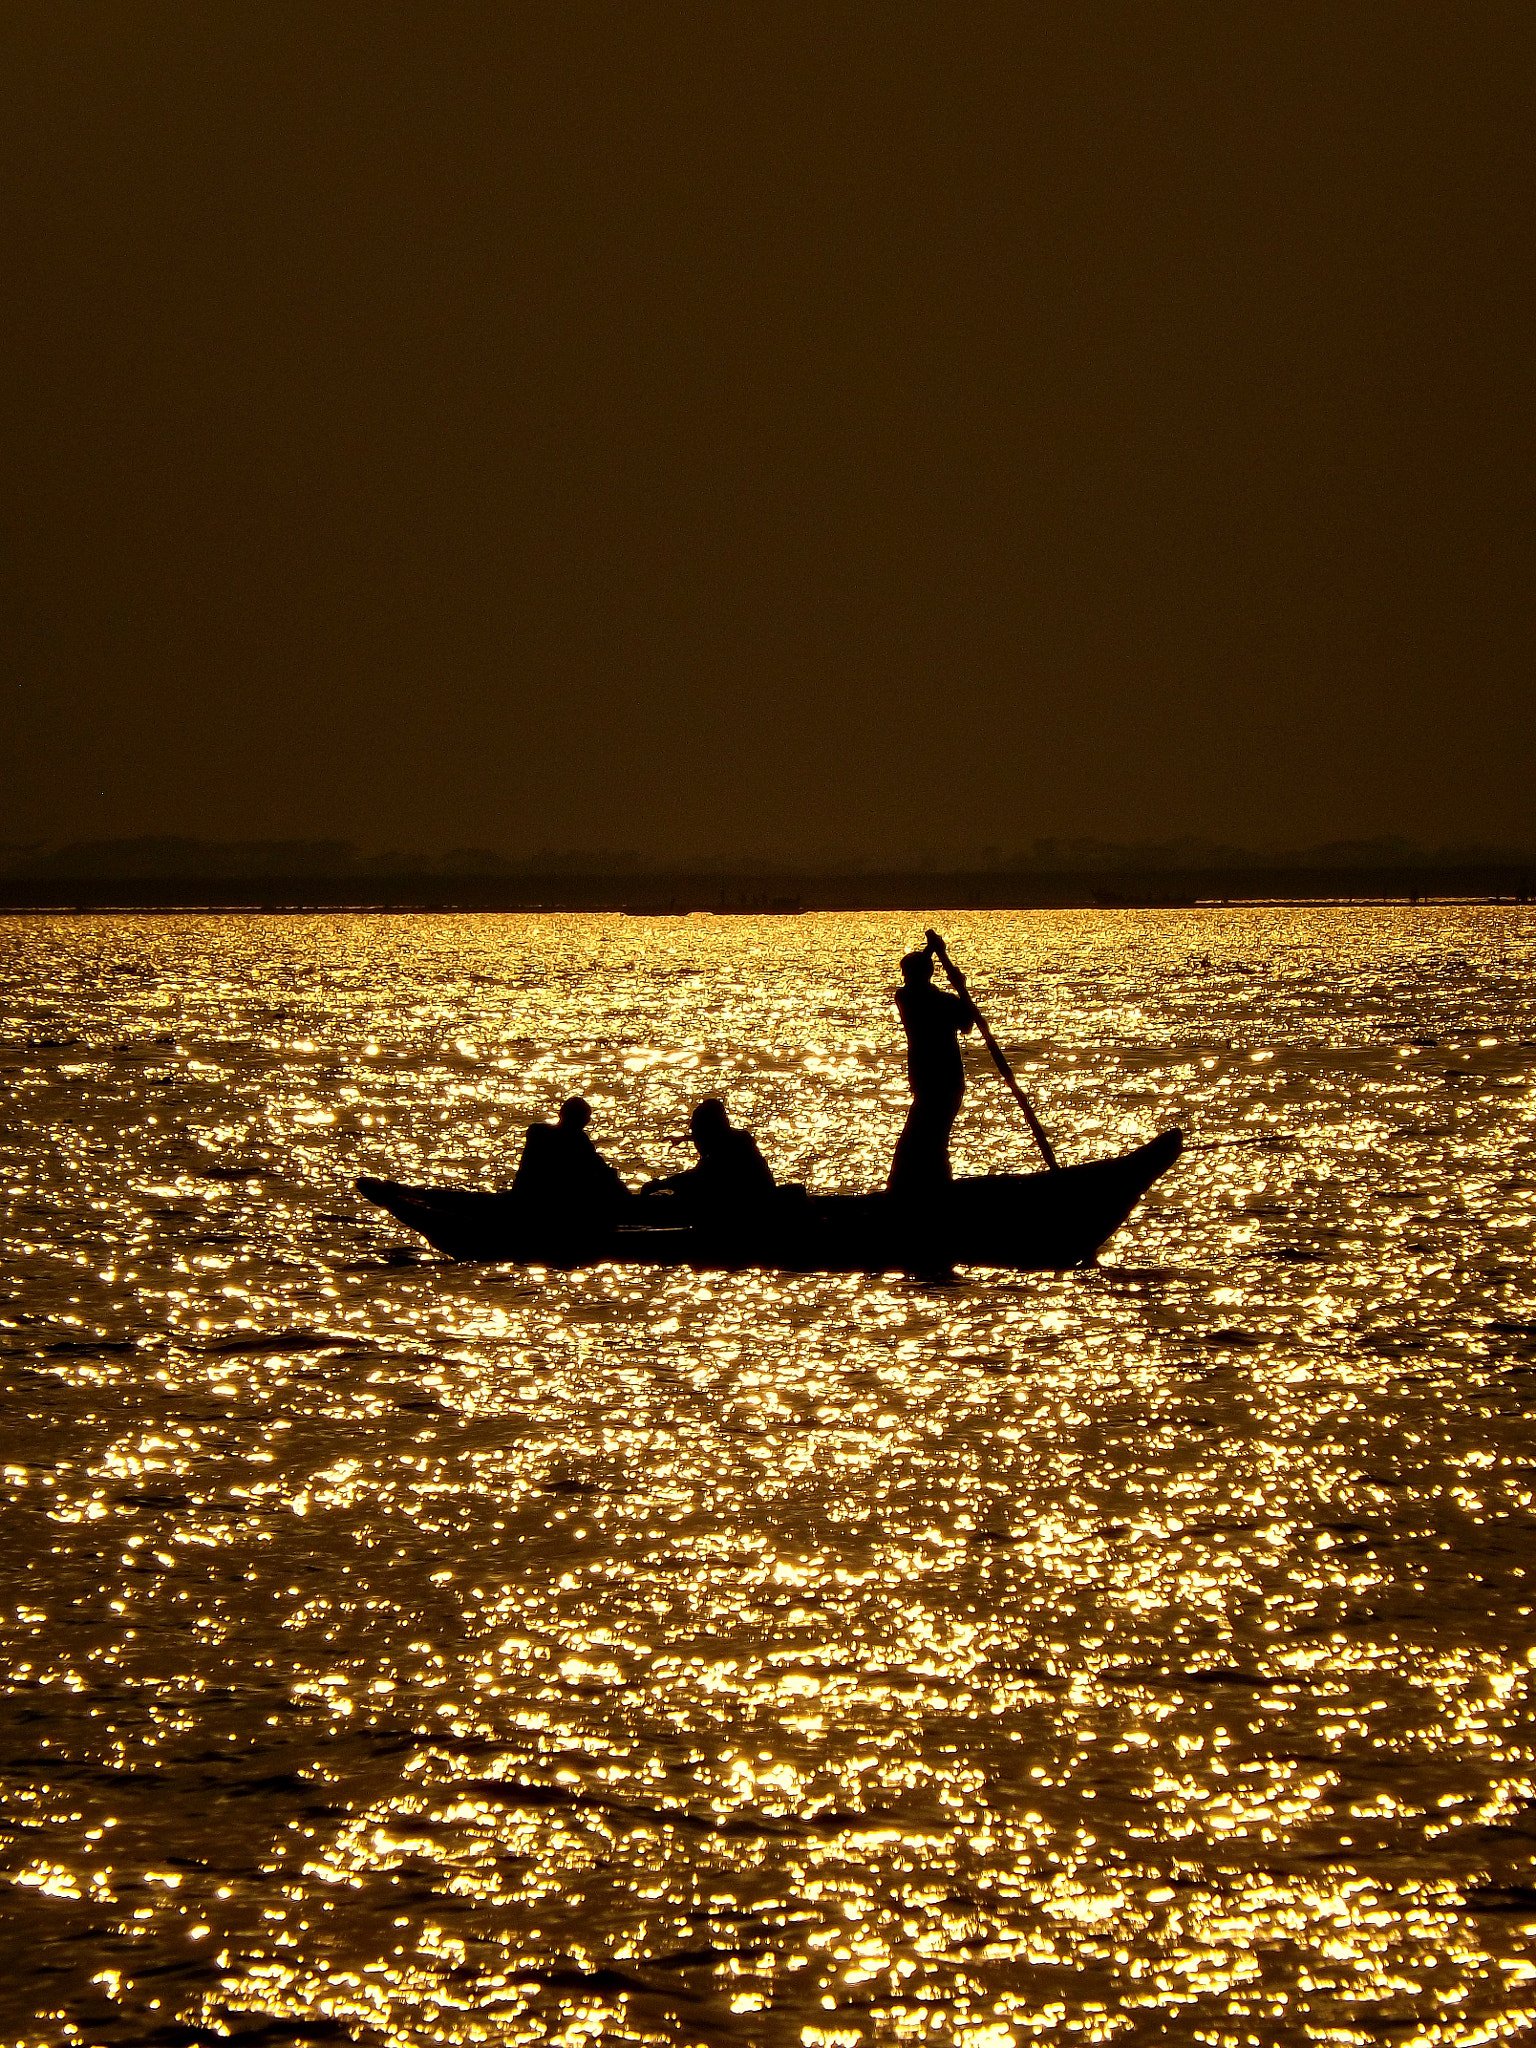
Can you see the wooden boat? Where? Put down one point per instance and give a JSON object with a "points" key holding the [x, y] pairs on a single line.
{"points": [[1025, 1222]]}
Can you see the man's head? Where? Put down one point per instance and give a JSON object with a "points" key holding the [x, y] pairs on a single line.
{"points": [[709, 1123], [574, 1114], [916, 968]]}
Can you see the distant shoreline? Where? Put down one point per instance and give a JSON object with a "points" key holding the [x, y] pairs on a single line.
{"points": [[767, 894]]}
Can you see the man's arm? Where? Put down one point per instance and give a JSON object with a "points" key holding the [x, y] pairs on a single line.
{"points": [[964, 1007], [962, 1012], [755, 1167]]}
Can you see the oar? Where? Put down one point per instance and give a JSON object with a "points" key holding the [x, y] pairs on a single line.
{"points": [[1035, 1125]]}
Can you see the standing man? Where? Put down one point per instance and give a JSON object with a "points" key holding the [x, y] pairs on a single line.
{"points": [[935, 1073]]}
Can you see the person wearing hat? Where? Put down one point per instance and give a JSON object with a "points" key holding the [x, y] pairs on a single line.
{"points": [[933, 1022]]}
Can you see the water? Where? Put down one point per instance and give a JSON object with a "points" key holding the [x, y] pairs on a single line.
{"points": [[403, 1653]]}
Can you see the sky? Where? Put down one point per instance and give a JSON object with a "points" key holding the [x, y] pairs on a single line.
{"points": [[782, 430]]}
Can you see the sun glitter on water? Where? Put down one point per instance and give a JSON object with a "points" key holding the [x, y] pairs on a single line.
{"points": [[418, 1653]]}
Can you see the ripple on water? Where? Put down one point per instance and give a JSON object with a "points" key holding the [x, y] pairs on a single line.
{"points": [[418, 1653]]}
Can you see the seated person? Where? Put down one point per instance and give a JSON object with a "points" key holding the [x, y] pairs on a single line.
{"points": [[563, 1179], [732, 1178]]}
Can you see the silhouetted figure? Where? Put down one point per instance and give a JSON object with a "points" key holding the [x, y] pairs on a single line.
{"points": [[935, 1073], [563, 1179], [732, 1180]]}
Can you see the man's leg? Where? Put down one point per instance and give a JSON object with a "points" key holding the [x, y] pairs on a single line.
{"points": [[942, 1113], [906, 1167], [921, 1162]]}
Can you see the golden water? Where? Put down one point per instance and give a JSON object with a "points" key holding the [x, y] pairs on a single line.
{"points": [[1137, 1653]]}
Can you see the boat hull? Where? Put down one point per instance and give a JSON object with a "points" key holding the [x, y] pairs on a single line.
{"points": [[1021, 1222]]}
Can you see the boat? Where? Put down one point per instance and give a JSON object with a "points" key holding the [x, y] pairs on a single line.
{"points": [[1023, 1222]]}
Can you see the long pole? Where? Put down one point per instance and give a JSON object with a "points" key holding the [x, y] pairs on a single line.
{"points": [[958, 981]]}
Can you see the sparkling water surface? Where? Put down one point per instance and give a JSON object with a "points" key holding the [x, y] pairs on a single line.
{"points": [[403, 1652]]}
